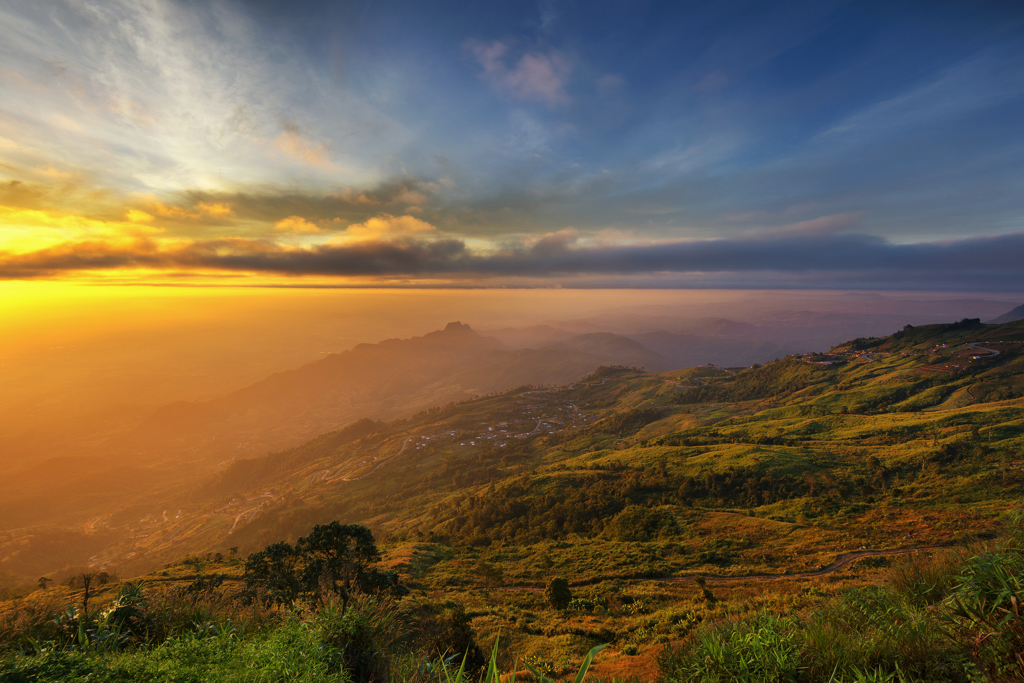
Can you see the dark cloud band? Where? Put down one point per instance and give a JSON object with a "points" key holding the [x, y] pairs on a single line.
{"points": [[995, 261]]}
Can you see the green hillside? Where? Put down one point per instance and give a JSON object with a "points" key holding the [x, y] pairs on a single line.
{"points": [[630, 484]]}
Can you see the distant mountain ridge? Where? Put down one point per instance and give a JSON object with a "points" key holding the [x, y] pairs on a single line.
{"points": [[385, 380], [391, 379], [1009, 316]]}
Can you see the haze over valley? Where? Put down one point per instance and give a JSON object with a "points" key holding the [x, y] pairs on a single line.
{"points": [[119, 453]]}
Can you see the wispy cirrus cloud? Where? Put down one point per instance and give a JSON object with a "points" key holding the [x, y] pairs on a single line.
{"points": [[163, 96]]}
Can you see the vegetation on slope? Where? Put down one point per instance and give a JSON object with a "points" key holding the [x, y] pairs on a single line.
{"points": [[631, 484]]}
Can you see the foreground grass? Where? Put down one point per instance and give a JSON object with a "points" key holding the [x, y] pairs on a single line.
{"points": [[947, 618], [942, 619], [289, 652]]}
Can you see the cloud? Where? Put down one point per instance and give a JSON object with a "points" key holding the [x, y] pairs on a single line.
{"points": [[26, 230], [824, 225], [552, 243], [136, 216], [410, 191], [388, 226], [200, 211], [299, 147], [296, 225], [991, 262], [987, 79], [408, 196], [358, 258], [164, 96], [54, 174], [536, 76]]}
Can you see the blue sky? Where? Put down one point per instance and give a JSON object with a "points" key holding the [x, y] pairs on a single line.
{"points": [[194, 138]]}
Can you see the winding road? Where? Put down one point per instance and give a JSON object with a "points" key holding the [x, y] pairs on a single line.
{"points": [[982, 348]]}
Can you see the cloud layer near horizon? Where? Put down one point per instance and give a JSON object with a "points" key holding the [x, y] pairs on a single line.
{"points": [[812, 260]]}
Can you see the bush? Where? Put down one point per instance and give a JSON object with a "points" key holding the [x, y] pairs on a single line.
{"points": [[558, 594], [365, 635]]}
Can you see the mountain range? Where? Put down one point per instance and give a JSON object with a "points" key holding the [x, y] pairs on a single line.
{"points": [[131, 456]]}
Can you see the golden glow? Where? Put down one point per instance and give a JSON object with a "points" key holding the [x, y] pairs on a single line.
{"points": [[296, 225], [387, 226], [83, 345], [201, 210], [26, 230]]}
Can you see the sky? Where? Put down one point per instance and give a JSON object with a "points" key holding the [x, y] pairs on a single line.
{"points": [[817, 145]]}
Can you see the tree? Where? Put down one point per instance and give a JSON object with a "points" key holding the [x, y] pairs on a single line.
{"points": [[453, 634], [333, 558], [274, 571], [337, 558], [44, 582], [86, 584], [558, 594]]}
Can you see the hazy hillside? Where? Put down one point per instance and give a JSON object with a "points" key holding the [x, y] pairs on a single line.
{"points": [[383, 381], [607, 345], [530, 337], [689, 350], [1010, 316], [122, 459]]}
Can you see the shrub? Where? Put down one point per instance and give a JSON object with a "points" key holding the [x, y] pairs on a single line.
{"points": [[447, 633], [558, 594], [364, 635]]}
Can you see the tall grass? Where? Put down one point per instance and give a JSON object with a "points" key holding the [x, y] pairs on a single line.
{"points": [[925, 579], [182, 636], [759, 648], [859, 636], [292, 651], [985, 609]]}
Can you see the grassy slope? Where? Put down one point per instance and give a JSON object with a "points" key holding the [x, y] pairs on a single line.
{"points": [[874, 451]]}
